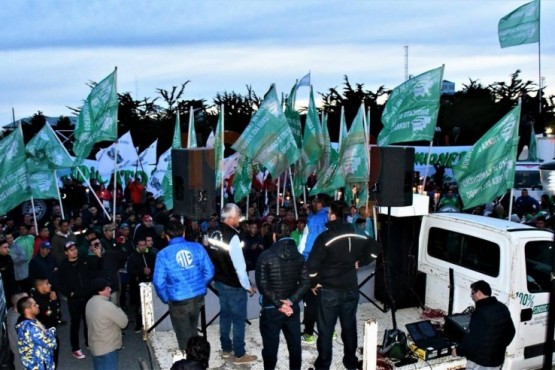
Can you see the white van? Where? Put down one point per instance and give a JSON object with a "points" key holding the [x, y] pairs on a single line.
{"points": [[514, 259]]}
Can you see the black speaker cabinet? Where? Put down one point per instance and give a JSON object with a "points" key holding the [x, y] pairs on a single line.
{"points": [[391, 175], [194, 181]]}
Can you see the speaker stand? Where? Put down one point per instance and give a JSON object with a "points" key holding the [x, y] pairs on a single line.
{"points": [[366, 280], [387, 272]]}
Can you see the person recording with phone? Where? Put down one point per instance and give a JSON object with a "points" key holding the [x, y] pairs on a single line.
{"points": [[104, 264]]}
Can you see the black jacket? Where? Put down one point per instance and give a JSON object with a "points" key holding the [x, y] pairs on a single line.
{"points": [[75, 279], [49, 314], [281, 274], [335, 253], [490, 331]]}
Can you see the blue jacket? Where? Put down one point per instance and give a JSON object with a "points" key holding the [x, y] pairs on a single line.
{"points": [[316, 224], [182, 271]]}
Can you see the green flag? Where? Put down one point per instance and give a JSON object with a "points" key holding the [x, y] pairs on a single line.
{"points": [[242, 179], [219, 149], [192, 136], [98, 117], [352, 167], [293, 117], [45, 151], [313, 141], [324, 162], [488, 169], [167, 182], [533, 146], [45, 154], [268, 139], [43, 182], [342, 128], [14, 179], [521, 26], [410, 113]]}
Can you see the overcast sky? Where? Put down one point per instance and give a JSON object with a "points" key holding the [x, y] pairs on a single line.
{"points": [[50, 50]]}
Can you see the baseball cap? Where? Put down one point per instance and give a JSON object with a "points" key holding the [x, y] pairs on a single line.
{"points": [[46, 244], [123, 226], [147, 218], [69, 245]]}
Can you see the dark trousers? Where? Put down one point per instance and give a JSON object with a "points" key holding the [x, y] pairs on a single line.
{"points": [[310, 312], [76, 308], [332, 305], [271, 323], [184, 317]]}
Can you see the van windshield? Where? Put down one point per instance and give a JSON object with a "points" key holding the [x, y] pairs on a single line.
{"points": [[527, 180], [539, 257]]}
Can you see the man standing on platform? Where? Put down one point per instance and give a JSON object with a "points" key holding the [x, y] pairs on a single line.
{"points": [[232, 284], [490, 331], [332, 266], [181, 274]]}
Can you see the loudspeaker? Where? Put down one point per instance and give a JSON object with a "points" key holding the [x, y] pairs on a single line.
{"points": [[405, 285], [194, 179], [391, 175]]}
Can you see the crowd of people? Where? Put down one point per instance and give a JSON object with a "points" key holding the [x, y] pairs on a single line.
{"points": [[301, 256]]}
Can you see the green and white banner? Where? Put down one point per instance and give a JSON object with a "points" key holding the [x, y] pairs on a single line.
{"points": [[411, 111], [488, 169], [521, 26]]}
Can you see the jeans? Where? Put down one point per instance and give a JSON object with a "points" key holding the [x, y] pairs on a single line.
{"points": [[109, 361], [271, 323], [310, 312], [76, 308], [233, 311], [333, 304], [184, 316]]}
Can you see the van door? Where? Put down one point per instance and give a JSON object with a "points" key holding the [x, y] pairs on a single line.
{"points": [[533, 296]]}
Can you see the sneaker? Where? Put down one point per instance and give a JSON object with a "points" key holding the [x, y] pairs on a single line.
{"points": [[226, 354], [78, 354], [307, 338], [138, 329], [245, 359]]}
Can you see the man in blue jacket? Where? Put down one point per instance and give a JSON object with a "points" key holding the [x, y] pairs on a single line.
{"points": [[182, 272]]}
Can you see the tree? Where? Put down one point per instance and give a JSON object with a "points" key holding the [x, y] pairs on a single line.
{"points": [[350, 99]]}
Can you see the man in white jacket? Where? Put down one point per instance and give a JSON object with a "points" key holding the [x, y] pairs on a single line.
{"points": [[105, 321]]}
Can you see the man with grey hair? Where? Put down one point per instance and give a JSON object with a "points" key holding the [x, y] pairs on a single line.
{"points": [[232, 283]]}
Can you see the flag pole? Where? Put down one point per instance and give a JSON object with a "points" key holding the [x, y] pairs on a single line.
{"points": [[34, 213], [427, 164], [277, 196], [539, 60], [59, 195], [366, 123], [222, 159], [293, 194], [115, 183], [247, 210]]}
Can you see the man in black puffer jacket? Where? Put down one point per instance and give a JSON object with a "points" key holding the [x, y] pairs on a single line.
{"points": [[490, 330], [282, 279]]}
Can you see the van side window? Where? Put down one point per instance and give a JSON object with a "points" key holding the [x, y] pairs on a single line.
{"points": [[464, 250], [538, 265]]}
